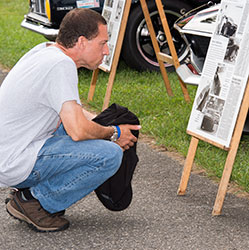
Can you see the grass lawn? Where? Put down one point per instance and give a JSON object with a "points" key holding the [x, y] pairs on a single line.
{"points": [[162, 117]]}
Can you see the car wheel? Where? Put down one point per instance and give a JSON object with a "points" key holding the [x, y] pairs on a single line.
{"points": [[138, 51]]}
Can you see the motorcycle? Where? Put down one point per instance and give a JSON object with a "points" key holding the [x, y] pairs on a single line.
{"points": [[196, 28]]}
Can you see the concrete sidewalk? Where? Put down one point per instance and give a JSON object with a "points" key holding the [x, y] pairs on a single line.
{"points": [[156, 219]]}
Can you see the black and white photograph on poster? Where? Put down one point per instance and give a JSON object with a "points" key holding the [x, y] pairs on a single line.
{"points": [[232, 50], [202, 98], [221, 18], [107, 15], [110, 30], [228, 20], [119, 10], [211, 114], [107, 59], [113, 13], [217, 81], [109, 3]]}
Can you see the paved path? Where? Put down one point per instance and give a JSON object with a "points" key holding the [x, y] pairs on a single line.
{"points": [[157, 218]]}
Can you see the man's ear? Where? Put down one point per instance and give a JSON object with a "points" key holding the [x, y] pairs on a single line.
{"points": [[82, 41]]}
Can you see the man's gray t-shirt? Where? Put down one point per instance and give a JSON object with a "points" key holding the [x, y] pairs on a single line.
{"points": [[31, 98]]}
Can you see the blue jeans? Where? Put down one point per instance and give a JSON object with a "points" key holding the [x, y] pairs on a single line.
{"points": [[66, 171]]}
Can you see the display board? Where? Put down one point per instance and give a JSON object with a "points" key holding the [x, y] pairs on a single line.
{"points": [[224, 77], [222, 100], [113, 13]]}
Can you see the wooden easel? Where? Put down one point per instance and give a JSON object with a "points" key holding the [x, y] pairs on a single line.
{"points": [[115, 60], [160, 56], [232, 151], [155, 45]]}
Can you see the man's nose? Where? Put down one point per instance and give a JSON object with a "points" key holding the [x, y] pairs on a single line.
{"points": [[106, 50]]}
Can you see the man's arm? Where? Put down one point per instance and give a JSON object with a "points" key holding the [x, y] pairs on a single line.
{"points": [[88, 115], [80, 128]]}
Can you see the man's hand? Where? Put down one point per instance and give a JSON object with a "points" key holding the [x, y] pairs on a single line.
{"points": [[127, 139]]}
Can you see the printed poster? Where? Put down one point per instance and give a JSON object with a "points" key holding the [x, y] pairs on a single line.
{"points": [[113, 13], [224, 77]]}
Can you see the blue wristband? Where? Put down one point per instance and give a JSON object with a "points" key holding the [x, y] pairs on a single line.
{"points": [[119, 131]]}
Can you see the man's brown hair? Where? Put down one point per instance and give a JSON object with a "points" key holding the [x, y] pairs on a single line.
{"points": [[76, 23]]}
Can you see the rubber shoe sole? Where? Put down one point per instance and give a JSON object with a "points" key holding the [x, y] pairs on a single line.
{"points": [[22, 218], [11, 196]]}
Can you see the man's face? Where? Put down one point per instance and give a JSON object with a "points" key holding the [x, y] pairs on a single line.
{"points": [[96, 49]]}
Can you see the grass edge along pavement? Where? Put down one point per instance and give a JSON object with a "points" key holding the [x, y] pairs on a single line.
{"points": [[162, 117]]}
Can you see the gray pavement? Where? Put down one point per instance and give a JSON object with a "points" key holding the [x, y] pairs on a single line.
{"points": [[156, 219]]}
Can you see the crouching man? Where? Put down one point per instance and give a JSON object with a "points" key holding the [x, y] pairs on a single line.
{"points": [[50, 150]]}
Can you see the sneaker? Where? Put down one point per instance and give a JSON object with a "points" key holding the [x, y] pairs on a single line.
{"points": [[34, 215], [10, 196], [14, 190]]}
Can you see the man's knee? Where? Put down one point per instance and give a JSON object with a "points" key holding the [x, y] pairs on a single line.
{"points": [[115, 157], [117, 153]]}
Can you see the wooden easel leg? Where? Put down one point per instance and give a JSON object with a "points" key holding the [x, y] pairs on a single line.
{"points": [[224, 182], [93, 84], [171, 46], [165, 78], [188, 166], [155, 46], [184, 90], [232, 154], [109, 88]]}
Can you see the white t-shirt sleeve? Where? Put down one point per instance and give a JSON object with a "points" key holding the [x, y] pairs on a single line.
{"points": [[62, 85]]}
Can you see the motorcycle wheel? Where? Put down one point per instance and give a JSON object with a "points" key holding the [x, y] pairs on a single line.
{"points": [[137, 50]]}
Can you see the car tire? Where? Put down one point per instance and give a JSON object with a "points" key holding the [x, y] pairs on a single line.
{"points": [[137, 50]]}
